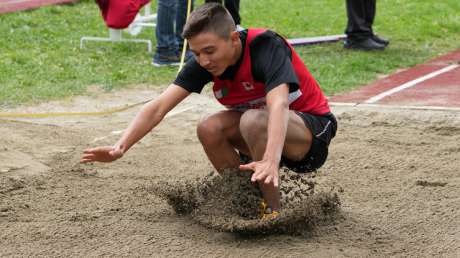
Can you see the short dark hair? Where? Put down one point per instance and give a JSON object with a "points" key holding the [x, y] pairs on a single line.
{"points": [[209, 17]]}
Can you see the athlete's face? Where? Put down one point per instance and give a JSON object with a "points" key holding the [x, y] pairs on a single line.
{"points": [[214, 53]]}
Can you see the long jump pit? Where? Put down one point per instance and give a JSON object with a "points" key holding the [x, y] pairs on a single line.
{"points": [[390, 186]]}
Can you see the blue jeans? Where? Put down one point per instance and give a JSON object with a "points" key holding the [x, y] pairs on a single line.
{"points": [[171, 16]]}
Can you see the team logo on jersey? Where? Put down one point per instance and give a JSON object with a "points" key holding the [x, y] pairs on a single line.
{"points": [[221, 93], [247, 86]]}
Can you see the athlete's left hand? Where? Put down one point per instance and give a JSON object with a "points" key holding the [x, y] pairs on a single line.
{"points": [[265, 172]]}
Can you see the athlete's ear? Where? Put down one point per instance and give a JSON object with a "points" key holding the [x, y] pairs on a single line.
{"points": [[234, 37]]}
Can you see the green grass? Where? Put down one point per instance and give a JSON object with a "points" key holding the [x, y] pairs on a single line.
{"points": [[40, 57]]}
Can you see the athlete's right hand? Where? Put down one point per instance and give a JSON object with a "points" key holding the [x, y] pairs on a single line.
{"points": [[101, 154]]}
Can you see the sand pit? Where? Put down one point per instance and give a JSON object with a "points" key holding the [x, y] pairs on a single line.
{"points": [[395, 173], [229, 203]]}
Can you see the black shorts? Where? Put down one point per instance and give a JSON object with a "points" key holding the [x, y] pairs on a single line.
{"points": [[323, 129]]}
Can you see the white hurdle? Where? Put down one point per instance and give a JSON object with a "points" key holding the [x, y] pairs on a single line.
{"points": [[115, 35]]}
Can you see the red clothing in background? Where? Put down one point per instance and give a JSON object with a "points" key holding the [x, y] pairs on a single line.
{"points": [[118, 14]]}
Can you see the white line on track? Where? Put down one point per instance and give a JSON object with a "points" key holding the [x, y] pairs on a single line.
{"points": [[410, 84], [380, 106]]}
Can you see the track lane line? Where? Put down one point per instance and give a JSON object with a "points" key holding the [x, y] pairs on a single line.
{"points": [[410, 84]]}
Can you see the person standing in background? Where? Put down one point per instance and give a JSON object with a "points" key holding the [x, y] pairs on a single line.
{"points": [[171, 16], [233, 7], [361, 14]]}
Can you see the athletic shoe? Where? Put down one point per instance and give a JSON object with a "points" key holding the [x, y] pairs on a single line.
{"points": [[162, 60], [265, 212], [270, 216]]}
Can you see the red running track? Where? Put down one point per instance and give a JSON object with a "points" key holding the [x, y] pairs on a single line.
{"points": [[435, 84], [8, 6]]}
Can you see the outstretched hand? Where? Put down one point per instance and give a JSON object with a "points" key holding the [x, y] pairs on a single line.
{"points": [[265, 172], [101, 154]]}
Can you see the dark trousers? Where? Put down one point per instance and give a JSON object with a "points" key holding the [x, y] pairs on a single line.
{"points": [[360, 15], [233, 7]]}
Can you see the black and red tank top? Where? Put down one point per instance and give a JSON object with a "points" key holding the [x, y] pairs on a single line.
{"points": [[244, 93]]}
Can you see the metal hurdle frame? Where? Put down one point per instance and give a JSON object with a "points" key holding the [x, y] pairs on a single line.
{"points": [[115, 35]]}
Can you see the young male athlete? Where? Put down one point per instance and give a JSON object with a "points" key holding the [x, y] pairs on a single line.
{"points": [[276, 113]]}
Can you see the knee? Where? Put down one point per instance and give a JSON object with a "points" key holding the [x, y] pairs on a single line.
{"points": [[254, 123], [209, 131]]}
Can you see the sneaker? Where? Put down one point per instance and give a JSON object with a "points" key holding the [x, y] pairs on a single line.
{"points": [[265, 212], [162, 60], [270, 216]]}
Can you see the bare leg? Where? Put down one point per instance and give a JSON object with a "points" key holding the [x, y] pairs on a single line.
{"points": [[219, 134], [254, 127]]}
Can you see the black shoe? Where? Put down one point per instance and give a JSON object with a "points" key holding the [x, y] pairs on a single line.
{"points": [[363, 44], [163, 60], [380, 40]]}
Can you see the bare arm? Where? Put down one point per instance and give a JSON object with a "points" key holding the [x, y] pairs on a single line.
{"points": [[278, 110], [150, 115], [266, 170]]}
